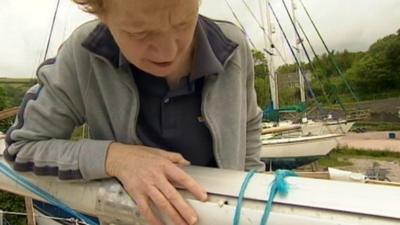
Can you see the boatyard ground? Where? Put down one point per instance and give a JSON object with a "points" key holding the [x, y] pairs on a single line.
{"points": [[364, 152]]}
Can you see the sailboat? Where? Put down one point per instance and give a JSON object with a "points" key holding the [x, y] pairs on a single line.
{"points": [[284, 145], [327, 125], [299, 146]]}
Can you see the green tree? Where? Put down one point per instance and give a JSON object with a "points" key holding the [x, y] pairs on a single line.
{"points": [[261, 78], [260, 64], [263, 93], [3, 100], [379, 70], [13, 203], [287, 68]]}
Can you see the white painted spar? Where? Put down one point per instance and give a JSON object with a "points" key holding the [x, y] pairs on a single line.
{"points": [[290, 147], [310, 201]]}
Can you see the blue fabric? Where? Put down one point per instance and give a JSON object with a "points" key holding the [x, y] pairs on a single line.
{"points": [[41, 193]]}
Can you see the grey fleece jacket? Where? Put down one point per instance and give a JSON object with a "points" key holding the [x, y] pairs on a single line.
{"points": [[86, 85]]}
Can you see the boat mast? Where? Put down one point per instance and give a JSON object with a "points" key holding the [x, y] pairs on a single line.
{"points": [[273, 79], [298, 54]]}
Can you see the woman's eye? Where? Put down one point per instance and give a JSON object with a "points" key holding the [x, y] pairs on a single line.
{"points": [[138, 35], [182, 25]]}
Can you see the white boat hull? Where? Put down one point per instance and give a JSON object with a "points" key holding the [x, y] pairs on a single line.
{"points": [[299, 146]]}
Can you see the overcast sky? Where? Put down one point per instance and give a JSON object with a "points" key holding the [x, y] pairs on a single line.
{"points": [[351, 24]]}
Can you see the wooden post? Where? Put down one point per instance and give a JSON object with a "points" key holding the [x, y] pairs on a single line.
{"points": [[8, 113], [29, 211]]}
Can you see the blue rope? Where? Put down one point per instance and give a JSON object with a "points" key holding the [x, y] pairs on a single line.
{"points": [[43, 194], [278, 186], [236, 218]]}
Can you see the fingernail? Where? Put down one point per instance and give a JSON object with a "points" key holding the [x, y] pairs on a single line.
{"points": [[205, 196], [193, 220]]}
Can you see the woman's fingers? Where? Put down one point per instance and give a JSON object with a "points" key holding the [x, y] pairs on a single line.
{"points": [[177, 175], [145, 209], [147, 174], [161, 202], [178, 202]]}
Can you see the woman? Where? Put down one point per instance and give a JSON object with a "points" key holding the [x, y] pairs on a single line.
{"points": [[160, 87]]}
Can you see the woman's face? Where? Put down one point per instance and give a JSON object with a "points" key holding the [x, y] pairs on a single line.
{"points": [[154, 35]]}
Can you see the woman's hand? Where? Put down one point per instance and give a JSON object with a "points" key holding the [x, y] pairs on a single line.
{"points": [[147, 175]]}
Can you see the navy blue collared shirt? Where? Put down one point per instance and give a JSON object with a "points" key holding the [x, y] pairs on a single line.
{"points": [[171, 119]]}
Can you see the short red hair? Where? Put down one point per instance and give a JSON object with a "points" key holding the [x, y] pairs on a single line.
{"points": [[91, 6]]}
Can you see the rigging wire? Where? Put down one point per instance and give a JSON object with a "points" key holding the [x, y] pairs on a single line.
{"points": [[332, 59], [264, 31], [310, 91], [324, 78], [303, 47], [240, 24], [43, 56], [51, 30], [297, 32]]}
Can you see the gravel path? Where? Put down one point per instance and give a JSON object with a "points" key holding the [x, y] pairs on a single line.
{"points": [[371, 140]]}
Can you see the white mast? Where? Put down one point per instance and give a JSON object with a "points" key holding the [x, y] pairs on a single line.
{"points": [[298, 55], [270, 46]]}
